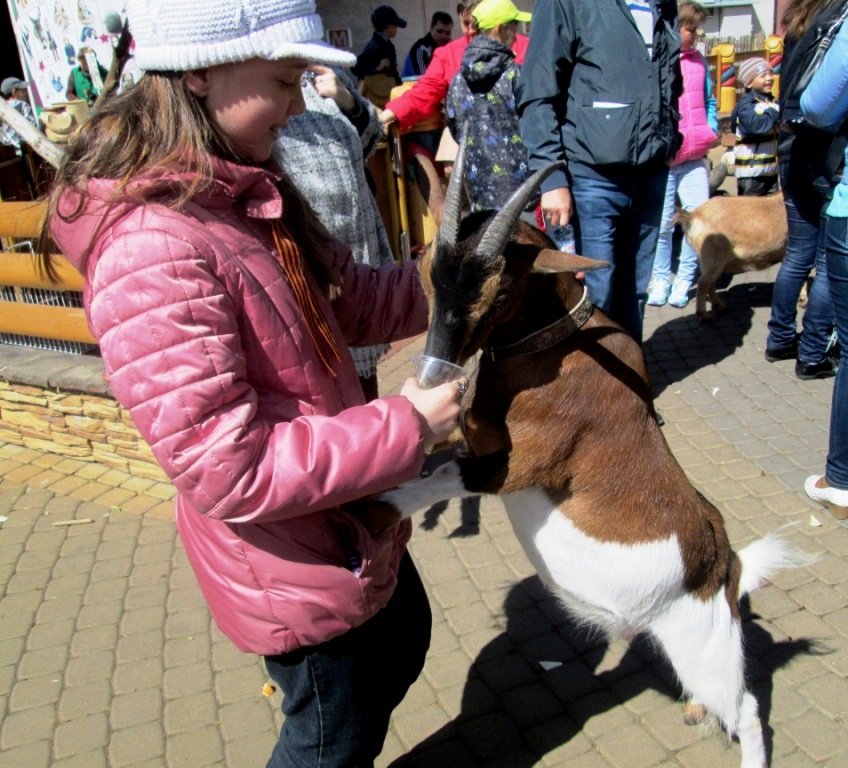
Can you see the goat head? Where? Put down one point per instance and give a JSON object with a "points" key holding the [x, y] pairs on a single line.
{"points": [[478, 269]]}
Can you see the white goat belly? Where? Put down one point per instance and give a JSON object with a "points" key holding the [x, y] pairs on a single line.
{"points": [[621, 588]]}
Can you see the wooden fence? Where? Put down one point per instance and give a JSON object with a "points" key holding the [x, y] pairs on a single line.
{"points": [[34, 311]]}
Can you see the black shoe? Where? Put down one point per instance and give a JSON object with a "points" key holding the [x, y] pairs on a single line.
{"points": [[810, 371], [788, 352], [659, 418]]}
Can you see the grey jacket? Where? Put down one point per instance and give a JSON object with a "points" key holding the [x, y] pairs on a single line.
{"points": [[591, 92], [324, 152]]}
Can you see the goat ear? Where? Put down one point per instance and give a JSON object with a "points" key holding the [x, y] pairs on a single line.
{"points": [[549, 260]]}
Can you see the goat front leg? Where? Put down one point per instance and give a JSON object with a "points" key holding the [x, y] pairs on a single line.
{"points": [[444, 482], [454, 478]]}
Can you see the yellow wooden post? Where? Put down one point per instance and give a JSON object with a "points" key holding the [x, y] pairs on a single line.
{"points": [[30, 303], [725, 55], [774, 54], [22, 219], [399, 173]]}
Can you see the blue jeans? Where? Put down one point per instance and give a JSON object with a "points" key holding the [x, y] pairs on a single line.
{"points": [[804, 250], [617, 219], [836, 248], [688, 181], [338, 696]]}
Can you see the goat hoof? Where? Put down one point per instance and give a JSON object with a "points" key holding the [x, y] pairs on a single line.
{"points": [[694, 714]]}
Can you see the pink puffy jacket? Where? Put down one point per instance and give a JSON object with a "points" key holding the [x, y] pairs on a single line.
{"points": [[694, 124], [204, 343]]}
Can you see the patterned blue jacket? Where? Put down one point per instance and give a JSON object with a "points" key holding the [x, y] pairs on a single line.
{"points": [[482, 99]]}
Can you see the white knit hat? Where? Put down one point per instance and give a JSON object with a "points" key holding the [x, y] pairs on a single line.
{"points": [[181, 35]]}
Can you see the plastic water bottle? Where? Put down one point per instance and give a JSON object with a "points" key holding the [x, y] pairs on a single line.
{"points": [[563, 237]]}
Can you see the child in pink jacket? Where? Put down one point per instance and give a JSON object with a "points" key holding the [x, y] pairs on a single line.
{"points": [[688, 179], [223, 311]]}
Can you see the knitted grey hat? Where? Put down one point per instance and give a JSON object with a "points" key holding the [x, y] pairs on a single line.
{"points": [[180, 35], [750, 68]]}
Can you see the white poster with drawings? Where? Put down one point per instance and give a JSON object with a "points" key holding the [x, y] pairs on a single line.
{"points": [[54, 35]]}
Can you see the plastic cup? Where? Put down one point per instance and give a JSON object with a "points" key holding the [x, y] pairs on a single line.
{"points": [[432, 371]]}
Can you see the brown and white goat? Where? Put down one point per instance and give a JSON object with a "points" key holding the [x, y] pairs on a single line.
{"points": [[733, 234], [558, 422]]}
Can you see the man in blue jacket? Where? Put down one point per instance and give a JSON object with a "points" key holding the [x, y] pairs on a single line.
{"points": [[598, 94], [379, 56]]}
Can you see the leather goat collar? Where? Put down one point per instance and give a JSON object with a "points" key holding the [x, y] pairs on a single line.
{"points": [[548, 336]]}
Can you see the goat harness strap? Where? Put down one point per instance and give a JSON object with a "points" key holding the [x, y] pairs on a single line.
{"points": [[546, 337]]}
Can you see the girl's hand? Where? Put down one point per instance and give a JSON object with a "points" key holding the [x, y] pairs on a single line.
{"points": [[329, 87], [438, 408]]}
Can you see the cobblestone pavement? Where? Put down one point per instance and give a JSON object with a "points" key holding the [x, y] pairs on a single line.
{"points": [[108, 657]]}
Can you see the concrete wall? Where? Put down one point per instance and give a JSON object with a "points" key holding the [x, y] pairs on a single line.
{"points": [[740, 21]]}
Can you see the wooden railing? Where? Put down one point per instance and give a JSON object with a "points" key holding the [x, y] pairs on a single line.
{"points": [[31, 305]]}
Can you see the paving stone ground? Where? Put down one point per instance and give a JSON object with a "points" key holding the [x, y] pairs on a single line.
{"points": [[108, 656]]}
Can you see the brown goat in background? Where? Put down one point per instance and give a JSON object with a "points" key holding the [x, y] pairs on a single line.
{"points": [[733, 234]]}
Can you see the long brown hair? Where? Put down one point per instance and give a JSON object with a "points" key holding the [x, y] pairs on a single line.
{"points": [[799, 13], [690, 14], [160, 124]]}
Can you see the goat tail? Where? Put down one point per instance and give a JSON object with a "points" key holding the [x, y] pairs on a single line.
{"points": [[766, 556]]}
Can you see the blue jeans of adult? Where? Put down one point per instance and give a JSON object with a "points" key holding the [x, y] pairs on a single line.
{"points": [[804, 250], [690, 182], [338, 696], [617, 219], [836, 248]]}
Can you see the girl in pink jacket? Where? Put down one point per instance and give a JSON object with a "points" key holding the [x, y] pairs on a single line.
{"points": [[223, 310], [688, 178]]}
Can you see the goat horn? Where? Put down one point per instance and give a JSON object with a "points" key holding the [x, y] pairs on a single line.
{"points": [[497, 233], [452, 207]]}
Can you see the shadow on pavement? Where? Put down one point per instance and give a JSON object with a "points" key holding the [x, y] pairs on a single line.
{"points": [[763, 657], [469, 509], [514, 712], [683, 345]]}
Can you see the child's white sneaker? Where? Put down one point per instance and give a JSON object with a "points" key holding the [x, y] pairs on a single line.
{"points": [[658, 291], [679, 296]]}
